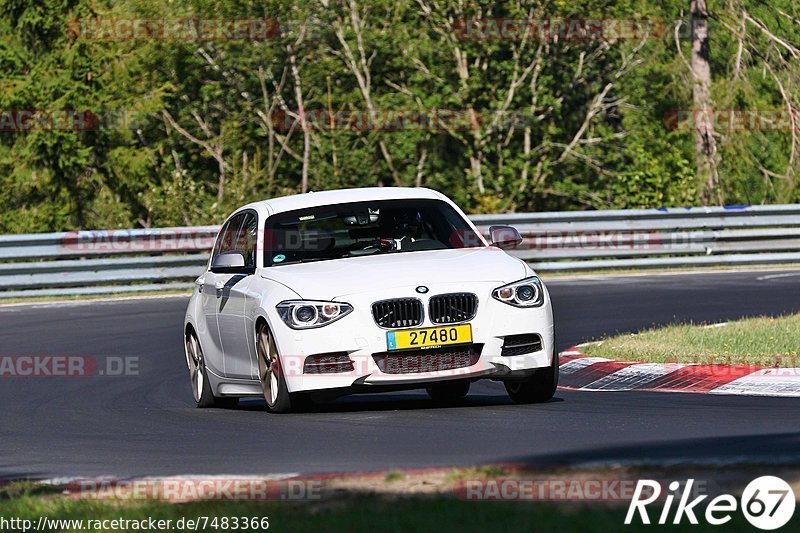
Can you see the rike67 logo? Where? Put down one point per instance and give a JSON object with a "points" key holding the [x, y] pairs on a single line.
{"points": [[767, 502]]}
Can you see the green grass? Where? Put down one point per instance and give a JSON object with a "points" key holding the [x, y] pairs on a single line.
{"points": [[763, 341], [366, 514], [19, 489], [393, 475], [483, 471]]}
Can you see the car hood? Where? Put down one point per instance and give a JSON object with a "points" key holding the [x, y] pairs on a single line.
{"points": [[326, 280]]}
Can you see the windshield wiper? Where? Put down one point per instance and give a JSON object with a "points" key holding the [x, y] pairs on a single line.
{"points": [[306, 260]]}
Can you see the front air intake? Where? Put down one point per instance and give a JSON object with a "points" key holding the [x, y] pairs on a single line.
{"points": [[428, 360], [451, 308], [521, 344], [328, 363], [397, 313]]}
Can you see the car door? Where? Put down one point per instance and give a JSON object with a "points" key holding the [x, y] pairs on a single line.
{"points": [[211, 291], [239, 356]]}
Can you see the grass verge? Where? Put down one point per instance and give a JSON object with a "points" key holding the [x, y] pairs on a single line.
{"points": [[400, 500], [355, 514], [762, 341]]}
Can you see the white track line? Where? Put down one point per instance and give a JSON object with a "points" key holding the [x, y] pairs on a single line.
{"points": [[631, 377], [571, 367], [74, 303], [767, 382], [784, 382], [774, 276]]}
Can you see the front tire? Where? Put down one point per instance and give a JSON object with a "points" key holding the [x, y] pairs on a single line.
{"points": [[201, 386], [539, 387], [270, 372]]}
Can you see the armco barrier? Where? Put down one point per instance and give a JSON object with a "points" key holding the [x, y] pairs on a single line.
{"points": [[92, 262]]}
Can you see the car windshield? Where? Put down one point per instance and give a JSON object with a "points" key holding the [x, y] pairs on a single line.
{"points": [[365, 228]]}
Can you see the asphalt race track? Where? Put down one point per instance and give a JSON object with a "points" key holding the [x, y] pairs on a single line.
{"points": [[148, 425]]}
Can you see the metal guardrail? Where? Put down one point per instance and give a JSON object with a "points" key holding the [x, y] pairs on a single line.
{"points": [[112, 261]]}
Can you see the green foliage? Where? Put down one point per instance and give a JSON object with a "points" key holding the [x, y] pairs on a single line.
{"points": [[188, 130]]}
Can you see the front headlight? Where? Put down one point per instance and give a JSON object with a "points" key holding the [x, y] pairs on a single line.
{"points": [[526, 292], [305, 314]]}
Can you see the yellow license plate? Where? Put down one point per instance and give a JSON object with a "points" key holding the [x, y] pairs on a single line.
{"points": [[429, 337]]}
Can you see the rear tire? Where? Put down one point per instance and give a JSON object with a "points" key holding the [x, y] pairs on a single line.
{"points": [[201, 386], [539, 387], [448, 392]]}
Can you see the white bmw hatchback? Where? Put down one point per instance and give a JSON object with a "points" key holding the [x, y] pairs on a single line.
{"points": [[364, 290]]}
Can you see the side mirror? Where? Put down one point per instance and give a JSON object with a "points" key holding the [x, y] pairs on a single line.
{"points": [[504, 236], [232, 261]]}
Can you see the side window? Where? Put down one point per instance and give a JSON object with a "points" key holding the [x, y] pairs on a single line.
{"points": [[246, 239], [239, 234], [227, 236]]}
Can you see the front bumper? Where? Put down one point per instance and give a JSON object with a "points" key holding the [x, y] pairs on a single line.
{"points": [[360, 338]]}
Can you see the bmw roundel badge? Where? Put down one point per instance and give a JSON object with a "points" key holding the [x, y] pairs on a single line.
{"points": [[422, 289]]}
